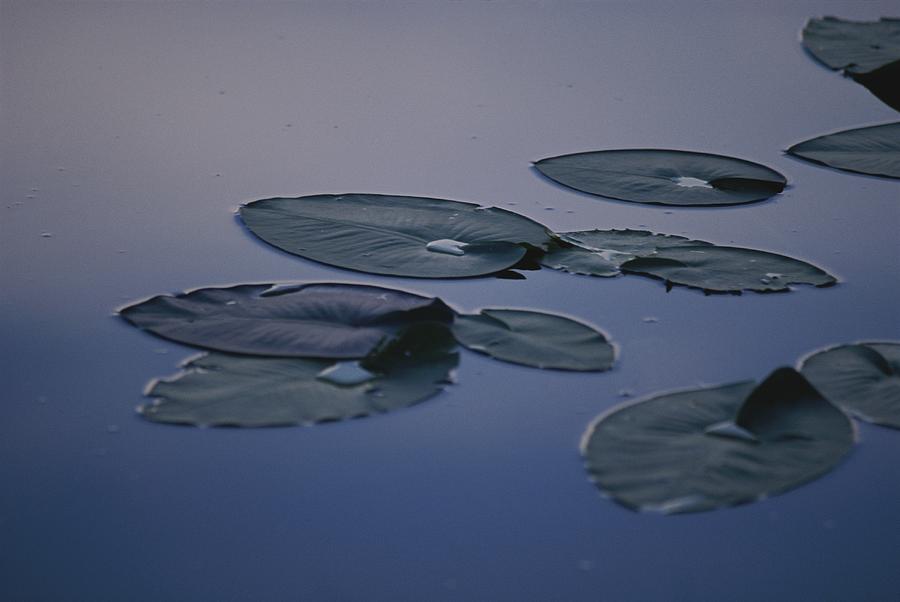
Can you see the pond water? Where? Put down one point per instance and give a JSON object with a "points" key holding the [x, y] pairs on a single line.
{"points": [[132, 131]]}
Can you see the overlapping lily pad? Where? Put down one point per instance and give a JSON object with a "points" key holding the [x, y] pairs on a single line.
{"points": [[535, 339], [708, 448], [867, 51], [331, 320], [219, 389], [864, 379], [681, 261], [873, 150], [665, 177], [396, 235]]}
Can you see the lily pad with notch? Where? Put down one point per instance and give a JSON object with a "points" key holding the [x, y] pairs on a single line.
{"points": [[396, 235], [709, 448], [681, 261], [218, 389], [862, 378], [873, 150], [664, 177], [866, 51], [537, 339], [333, 320]]}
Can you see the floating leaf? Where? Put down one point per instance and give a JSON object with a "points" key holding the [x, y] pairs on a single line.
{"points": [[679, 260], [308, 320], [873, 150], [535, 339], [867, 51], [721, 446], [853, 46], [219, 389], [864, 379], [396, 235], [728, 269], [577, 260], [665, 177]]}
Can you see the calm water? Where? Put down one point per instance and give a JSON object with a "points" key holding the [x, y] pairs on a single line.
{"points": [[131, 132]]}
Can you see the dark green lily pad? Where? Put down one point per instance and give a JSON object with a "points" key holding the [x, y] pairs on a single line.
{"points": [[681, 261], [665, 177], [864, 379], [853, 46], [535, 339], [728, 269], [396, 235], [866, 51], [308, 320], [873, 150], [721, 446], [219, 389]]}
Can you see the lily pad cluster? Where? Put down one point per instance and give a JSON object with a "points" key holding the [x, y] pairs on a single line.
{"points": [[702, 449], [434, 238], [680, 261], [301, 354]]}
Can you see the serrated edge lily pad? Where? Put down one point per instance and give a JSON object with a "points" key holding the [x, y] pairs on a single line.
{"points": [[537, 339], [853, 46], [701, 449], [675, 260]]}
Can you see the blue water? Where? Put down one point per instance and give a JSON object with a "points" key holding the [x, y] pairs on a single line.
{"points": [[142, 126]]}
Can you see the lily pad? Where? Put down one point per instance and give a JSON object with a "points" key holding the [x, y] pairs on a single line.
{"points": [[396, 235], [681, 261], [665, 177], [220, 389], [535, 339], [728, 269], [864, 379], [866, 51], [309, 320], [709, 448], [853, 46], [873, 150]]}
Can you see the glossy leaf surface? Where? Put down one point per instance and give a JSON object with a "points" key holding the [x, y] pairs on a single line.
{"points": [[666, 177], [864, 379], [396, 235], [873, 150], [535, 339], [309, 320], [854, 46], [721, 446], [219, 389]]}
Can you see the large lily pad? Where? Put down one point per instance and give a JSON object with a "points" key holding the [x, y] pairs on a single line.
{"points": [[396, 235], [681, 261], [853, 46], [231, 390], [864, 379], [873, 150], [721, 446], [535, 339], [309, 320], [665, 177]]}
